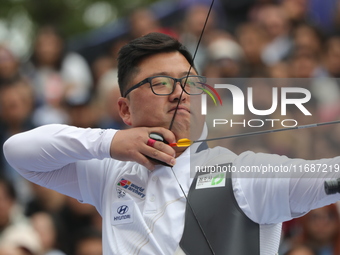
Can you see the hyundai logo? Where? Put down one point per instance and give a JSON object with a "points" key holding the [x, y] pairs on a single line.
{"points": [[122, 209]]}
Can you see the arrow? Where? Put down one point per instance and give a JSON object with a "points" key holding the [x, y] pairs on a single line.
{"points": [[185, 142]]}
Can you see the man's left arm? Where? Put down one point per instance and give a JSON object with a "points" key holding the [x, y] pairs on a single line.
{"points": [[289, 188]]}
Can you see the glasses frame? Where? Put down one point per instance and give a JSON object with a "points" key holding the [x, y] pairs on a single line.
{"points": [[149, 79]]}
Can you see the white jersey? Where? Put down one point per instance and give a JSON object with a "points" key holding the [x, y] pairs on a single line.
{"points": [[143, 212]]}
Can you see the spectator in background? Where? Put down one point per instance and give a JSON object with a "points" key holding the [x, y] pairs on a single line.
{"points": [[9, 65], [84, 114], [191, 29], [278, 70], [253, 39], [226, 57], [106, 99], [44, 200], [56, 213], [16, 106], [60, 214], [295, 10], [76, 217], [101, 66], [57, 76], [143, 21], [301, 250], [321, 230], [236, 12], [47, 228], [106, 88], [332, 57], [89, 242], [309, 39], [303, 64], [15, 229], [276, 25]]}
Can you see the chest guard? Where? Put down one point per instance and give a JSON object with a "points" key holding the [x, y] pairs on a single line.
{"points": [[227, 228]]}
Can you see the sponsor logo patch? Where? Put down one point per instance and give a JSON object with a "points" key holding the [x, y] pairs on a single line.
{"points": [[211, 180], [130, 187], [122, 212]]}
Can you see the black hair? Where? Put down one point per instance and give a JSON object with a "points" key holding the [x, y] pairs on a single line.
{"points": [[11, 81], [132, 53]]}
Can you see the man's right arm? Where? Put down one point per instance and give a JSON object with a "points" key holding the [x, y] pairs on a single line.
{"points": [[48, 155]]}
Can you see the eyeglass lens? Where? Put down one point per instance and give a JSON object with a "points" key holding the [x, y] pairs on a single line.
{"points": [[165, 85]]}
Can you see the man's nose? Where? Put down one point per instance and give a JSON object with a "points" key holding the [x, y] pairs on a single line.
{"points": [[178, 93]]}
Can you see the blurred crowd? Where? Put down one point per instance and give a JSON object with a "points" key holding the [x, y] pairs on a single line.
{"points": [[251, 40]]}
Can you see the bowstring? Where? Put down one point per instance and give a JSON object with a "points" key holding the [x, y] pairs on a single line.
{"points": [[172, 122], [191, 65]]}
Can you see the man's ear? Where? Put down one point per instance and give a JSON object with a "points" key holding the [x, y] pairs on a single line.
{"points": [[124, 110]]}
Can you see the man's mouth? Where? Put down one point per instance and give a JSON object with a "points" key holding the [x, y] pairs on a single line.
{"points": [[179, 109]]}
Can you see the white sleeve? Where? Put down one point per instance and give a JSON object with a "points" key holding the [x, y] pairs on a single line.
{"points": [[49, 155], [274, 198]]}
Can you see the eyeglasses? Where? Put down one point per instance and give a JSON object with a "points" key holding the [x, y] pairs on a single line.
{"points": [[165, 85]]}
